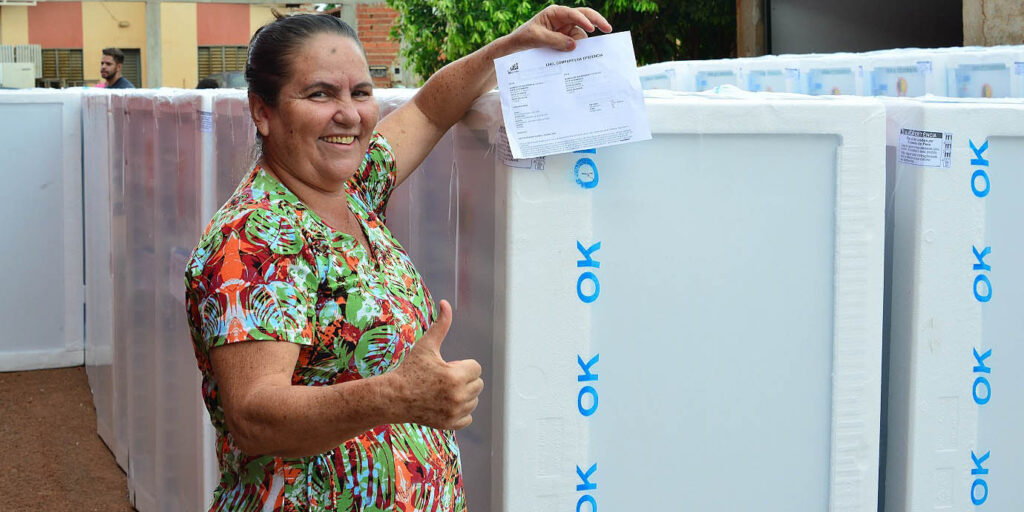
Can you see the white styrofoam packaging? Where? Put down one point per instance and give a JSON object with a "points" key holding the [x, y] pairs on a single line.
{"points": [[904, 73], [834, 74], [666, 322], [978, 72], [42, 299], [956, 335]]}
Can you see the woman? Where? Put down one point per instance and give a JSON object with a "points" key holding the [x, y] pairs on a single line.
{"points": [[310, 324]]}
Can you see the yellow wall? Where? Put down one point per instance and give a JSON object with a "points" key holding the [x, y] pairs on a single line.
{"points": [[260, 15], [13, 25], [178, 42], [100, 30]]}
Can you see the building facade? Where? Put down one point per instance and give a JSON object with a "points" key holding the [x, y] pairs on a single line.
{"points": [[171, 43]]}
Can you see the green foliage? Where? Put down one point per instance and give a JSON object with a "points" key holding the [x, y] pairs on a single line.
{"points": [[435, 32]]}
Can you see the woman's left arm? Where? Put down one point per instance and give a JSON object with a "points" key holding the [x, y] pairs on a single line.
{"points": [[414, 128]]}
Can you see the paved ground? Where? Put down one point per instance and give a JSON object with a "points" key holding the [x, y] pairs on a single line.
{"points": [[50, 455]]}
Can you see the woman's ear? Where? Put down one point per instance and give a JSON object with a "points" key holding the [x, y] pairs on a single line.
{"points": [[260, 112]]}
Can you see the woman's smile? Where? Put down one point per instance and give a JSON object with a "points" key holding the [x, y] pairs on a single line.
{"points": [[343, 140]]}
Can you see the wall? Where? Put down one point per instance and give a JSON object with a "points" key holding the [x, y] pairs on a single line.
{"points": [[260, 15], [178, 29], [992, 22], [13, 25], [374, 24], [100, 30], [222, 24], [55, 24], [822, 26]]}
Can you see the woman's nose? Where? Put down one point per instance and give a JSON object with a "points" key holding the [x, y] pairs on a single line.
{"points": [[346, 113]]}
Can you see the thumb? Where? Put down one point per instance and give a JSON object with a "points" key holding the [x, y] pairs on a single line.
{"points": [[439, 329]]}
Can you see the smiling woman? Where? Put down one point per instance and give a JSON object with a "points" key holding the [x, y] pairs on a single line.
{"points": [[318, 342]]}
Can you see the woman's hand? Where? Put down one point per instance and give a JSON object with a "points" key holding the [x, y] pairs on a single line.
{"points": [[414, 128], [558, 27], [437, 393]]}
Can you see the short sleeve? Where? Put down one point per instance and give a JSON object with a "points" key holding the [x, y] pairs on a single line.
{"points": [[252, 279], [376, 180]]}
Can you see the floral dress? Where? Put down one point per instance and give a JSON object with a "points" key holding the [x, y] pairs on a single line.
{"points": [[268, 268]]}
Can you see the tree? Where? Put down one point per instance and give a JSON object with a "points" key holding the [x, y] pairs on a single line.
{"points": [[435, 32]]}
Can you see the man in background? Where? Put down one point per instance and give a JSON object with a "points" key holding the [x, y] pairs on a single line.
{"points": [[110, 69]]}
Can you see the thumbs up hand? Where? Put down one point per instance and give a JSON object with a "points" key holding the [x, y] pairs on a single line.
{"points": [[434, 392]]}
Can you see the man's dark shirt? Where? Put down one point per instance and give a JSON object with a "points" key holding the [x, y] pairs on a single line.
{"points": [[121, 83]]}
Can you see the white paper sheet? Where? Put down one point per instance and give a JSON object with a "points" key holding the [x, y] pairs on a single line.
{"points": [[557, 102]]}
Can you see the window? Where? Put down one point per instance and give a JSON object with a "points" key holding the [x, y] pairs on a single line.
{"points": [[62, 67], [217, 59], [132, 67]]}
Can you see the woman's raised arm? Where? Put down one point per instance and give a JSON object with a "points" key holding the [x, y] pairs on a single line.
{"points": [[414, 128]]}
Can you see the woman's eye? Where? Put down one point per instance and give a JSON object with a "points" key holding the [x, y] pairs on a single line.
{"points": [[318, 95]]}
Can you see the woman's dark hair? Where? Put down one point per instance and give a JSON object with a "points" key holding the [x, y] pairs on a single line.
{"points": [[270, 49]]}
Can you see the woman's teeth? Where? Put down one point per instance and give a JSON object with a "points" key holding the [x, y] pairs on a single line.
{"points": [[339, 140]]}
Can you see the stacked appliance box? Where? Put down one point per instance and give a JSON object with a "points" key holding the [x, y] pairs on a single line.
{"points": [[665, 301], [954, 400], [43, 294]]}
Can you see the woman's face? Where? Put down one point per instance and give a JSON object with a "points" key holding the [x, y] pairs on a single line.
{"points": [[320, 129]]}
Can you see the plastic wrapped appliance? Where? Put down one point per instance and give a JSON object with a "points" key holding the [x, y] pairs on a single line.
{"points": [[666, 321], [904, 73], [708, 74], [663, 75], [955, 392], [770, 74], [41, 303], [834, 74], [161, 162], [100, 130], [979, 72]]}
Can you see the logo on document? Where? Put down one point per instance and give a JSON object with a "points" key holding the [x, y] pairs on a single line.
{"points": [[513, 68]]}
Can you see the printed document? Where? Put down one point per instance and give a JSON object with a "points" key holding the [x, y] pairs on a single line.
{"points": [[557, 102]]}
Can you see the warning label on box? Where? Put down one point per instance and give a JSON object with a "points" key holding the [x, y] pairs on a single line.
{"points": [[925, 149]]}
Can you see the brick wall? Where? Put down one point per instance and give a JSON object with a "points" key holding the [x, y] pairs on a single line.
{"points": [[374, 23]]}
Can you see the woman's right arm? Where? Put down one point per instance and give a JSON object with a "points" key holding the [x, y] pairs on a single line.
{"points": [[267, 415]]}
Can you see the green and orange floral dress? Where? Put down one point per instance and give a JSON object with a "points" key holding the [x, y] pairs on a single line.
{"points": [[268, 268]]}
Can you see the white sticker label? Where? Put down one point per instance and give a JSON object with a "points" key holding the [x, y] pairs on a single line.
{"points": [[503, 152], [925, 149], [1018, 68], [924, 67], [205, 121]]}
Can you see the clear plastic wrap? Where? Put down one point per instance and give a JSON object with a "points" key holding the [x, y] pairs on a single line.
{"points": [[99, 278], [164, 160]]}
